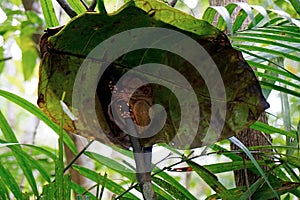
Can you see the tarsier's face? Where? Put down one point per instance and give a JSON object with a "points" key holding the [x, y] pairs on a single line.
{"points": [[143, 92], [140, 100]]}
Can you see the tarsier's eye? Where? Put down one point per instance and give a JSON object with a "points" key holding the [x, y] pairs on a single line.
{"points": [[146, 90]]}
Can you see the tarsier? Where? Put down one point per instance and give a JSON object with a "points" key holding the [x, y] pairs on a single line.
{"points": [[138, 99], [138, 96]]}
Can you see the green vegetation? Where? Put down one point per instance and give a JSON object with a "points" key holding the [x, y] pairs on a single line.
{"points": [[32, 168]]}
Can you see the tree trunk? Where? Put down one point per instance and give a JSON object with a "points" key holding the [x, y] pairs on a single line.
{"points": [[248, 137]]}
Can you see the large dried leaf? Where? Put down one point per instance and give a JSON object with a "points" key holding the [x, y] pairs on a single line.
{"points": [[65, 49]]}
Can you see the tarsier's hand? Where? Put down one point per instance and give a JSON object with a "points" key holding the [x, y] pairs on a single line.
{"points": [[139, 101]]}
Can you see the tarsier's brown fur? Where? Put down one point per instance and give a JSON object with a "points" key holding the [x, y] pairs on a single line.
{"points": [[140, 101]]}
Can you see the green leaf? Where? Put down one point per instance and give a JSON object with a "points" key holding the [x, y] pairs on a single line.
{"points": [[292, 175], [271, 36], [225, 152], [211, 12], [43, 150], [34, 165], [101, 6], [260, 126], [239, 22], [230, 166], [175, 184], [19, 154], [102, 188], [260, 190], [112, 164], [288, 30], [279, 88], [265, 42], [39, 114], [245, 9], [47, 153], [109, 184], [34, 18], [4, 193], [209, 15], [81, 190], [276, 51], [59, 165], [169, 188], [286, 116], [296, 5], [283, 172], [49, 13], [261, 18], [270, 76], [253, 188], [279, 186], [27, 45], [51, 190], [7, 178], [208, 177], [296, 193], [248, 153], [29, 52], [161, 194], [292, 160], [234, 193], [280, 80], [161, 174], [67, 187], [77, 6], [280, 71]]}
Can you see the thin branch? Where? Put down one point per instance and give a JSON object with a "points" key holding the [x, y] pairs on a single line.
{"points": [[84, 4], [92, 5], [67, 8], [78, 155], [5, 59], [102, 188]]}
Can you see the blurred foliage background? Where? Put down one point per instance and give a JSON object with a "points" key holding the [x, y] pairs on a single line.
{"points": [[25, 169]]}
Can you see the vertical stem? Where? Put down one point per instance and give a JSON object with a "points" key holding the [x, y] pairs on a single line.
{"points": [[141, 157], [59, 178]]}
